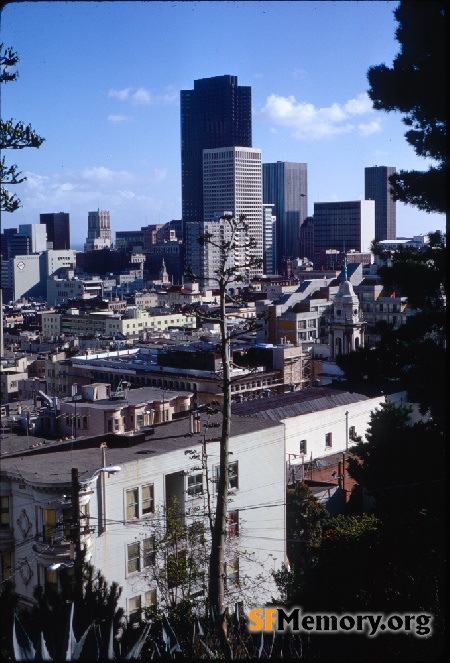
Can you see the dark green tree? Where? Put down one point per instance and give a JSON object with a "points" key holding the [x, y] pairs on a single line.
{"points": [[415, 86], [13, 136]]}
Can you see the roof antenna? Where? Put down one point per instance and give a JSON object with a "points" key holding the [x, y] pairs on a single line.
{"points": [[345, 265]]}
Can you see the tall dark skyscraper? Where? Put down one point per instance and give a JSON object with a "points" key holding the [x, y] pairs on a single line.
{"points": [[377, 188], [285, 185], [216, 113], [58, 229]]}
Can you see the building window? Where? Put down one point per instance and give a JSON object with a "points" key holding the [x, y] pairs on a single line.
{"points": [[4, 512], [233, 572], [148, 502], [233, 478], [302, 446], [329, 440], [149, 552], [195, 484], [5, 566], [133, 557], [150, 600], [49, 524], [233, 523], [134, 610], [132, 503]]}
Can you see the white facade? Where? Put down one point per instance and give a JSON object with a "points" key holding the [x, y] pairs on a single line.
{"points": [[28, 275], [319, 421], [232, 180], [57, 259], [120, 510], [38, 235]]}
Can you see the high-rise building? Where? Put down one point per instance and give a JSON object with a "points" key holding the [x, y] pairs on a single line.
{"points": [[344, 226], [216, 113], [269, 242], [306, 244], [377, 188], [285, 185], [38, 235], [232, 182], [58, 230], [99, 231]]}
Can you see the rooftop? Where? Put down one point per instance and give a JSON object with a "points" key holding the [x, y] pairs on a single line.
{"points": [[51, 462], [305, 401]]}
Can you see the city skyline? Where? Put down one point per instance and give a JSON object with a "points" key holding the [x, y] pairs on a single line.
{"points": [[111, 114]]}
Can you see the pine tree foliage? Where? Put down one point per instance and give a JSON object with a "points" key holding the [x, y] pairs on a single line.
{"points": [[13, 136], [415, 86]]}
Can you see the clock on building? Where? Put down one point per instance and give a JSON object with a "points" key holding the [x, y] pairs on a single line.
{"points": [[21, 264]]}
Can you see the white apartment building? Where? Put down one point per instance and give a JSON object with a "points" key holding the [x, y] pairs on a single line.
{"points": [[121, 511], [232, 181]]}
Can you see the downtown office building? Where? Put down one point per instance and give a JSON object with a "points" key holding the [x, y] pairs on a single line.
{"points": [[232, 183], [58, 230], [344, 226], [285, 185], [215, 114], [377, 188]]}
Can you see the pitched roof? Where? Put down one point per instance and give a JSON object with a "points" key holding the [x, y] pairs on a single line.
{"points": [[292, 404]]}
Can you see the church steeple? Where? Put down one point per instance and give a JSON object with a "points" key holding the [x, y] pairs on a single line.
{"points": [[346, 326], [163, 273]]}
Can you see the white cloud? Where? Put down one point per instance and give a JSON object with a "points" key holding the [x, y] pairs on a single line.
{"points": [[143, 97], [120, 94], [118, 118], [370, 128], [102, 175], [307, 122]]}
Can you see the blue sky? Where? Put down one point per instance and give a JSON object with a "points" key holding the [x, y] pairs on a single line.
{"points": [[101, 81]]}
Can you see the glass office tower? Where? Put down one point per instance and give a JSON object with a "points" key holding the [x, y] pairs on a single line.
{"points": [[377, 188], [216, 113]]}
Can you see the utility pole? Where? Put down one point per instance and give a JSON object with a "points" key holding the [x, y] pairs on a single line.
{"points": [[76, 534]]}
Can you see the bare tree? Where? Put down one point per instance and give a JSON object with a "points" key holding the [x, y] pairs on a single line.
{"points": [[236, 261]]}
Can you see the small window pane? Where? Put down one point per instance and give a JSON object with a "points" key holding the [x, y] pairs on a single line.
{"points": [[147, 499], [233, 523], [132, 504], [150, 600], [149, 551], [4, 512], [195, 484], [134, 609], [233, 475], [133, 556]]}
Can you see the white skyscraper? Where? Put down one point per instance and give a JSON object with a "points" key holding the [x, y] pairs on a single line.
{"points": [[232, 182], [37, 234], [99, 231]]}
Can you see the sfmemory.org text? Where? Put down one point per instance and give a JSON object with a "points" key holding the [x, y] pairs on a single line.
{"points": [[293, 620]]}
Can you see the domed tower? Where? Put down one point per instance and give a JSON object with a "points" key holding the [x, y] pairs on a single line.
{"points": [[346, 325]]}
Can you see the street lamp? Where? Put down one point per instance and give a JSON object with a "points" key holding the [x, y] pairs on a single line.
{"points": [[111, 469], [58, 565]]}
